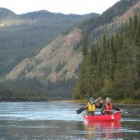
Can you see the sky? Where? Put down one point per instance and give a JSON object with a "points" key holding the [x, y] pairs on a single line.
{"points": [[58, 6]]}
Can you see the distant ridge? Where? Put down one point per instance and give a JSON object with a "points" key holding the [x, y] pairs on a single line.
{"points": [[54, 69], [53, 62], [22, 36], [4, 13]]}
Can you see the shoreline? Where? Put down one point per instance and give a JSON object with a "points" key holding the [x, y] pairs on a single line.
{"points": [[83, 102]]}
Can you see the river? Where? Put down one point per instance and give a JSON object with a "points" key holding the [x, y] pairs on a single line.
{"points": [[59, 121]]}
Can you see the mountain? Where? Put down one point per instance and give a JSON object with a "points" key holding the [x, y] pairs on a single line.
{"points": [[5, 13], [39, 18], [22, 36], [60, 60], [112, 66], [110, 21]]}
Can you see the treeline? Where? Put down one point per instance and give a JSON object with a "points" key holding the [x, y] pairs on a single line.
{"points": [[112, 67], [35, 90]]}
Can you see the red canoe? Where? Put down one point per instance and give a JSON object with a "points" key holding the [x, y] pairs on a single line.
{"points": [[111, 117]]}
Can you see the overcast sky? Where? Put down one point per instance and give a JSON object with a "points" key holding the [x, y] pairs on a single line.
{"points": [[58, 6]]}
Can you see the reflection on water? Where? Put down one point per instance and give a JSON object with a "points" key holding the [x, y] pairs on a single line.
{"points": [[103, 129], [59, 121]]}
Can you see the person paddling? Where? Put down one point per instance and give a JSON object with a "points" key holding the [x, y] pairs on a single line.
{"points": [[92, 106], [108, 107]]}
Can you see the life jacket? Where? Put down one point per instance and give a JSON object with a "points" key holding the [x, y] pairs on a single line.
{"points": [[91, 107], [109, 108]]}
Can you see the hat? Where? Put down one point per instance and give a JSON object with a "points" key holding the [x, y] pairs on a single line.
{"points": [[91, 98], [108, 99]]}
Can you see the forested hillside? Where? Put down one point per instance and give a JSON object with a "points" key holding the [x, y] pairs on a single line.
{"points": [[110, 21], [22, 36], [53, 71], [112, 68]]}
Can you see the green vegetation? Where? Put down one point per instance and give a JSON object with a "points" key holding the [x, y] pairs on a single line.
{"points": [[23, 36], [106, 18], [112, 67], [60, 66], [35, 90]]}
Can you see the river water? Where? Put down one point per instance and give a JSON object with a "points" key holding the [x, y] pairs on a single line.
{"points": [[59, 121]]}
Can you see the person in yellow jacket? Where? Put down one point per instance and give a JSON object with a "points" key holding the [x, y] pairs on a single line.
{"points": [[92, 106]]}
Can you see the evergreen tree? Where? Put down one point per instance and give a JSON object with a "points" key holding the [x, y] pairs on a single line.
{"points": [[112, 68], [85, 48]]}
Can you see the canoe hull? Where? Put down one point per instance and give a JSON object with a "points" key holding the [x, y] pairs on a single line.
{"points": [[110, 117]]}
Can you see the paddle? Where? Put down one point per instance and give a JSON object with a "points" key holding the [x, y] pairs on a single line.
{"points": [[83, 108]]}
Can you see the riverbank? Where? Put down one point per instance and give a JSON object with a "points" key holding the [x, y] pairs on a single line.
{"points": [[83, 101], [127, 102], [118, 102]]}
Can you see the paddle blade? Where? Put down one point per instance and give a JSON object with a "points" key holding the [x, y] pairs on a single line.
{"points": [[80, 110]]}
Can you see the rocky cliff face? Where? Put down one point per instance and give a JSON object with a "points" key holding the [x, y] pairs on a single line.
{"points": [[23, 36], [58, 60]]}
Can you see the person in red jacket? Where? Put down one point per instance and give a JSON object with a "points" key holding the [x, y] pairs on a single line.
{"points": [[108, 107]]}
